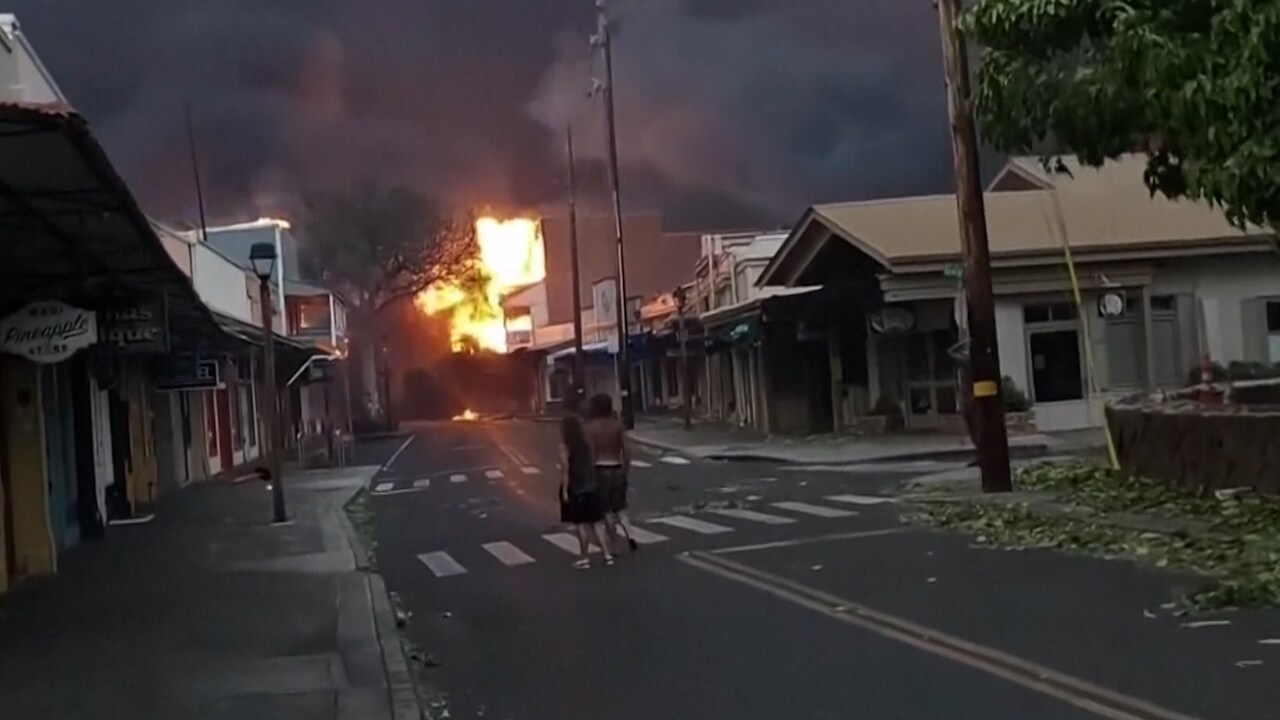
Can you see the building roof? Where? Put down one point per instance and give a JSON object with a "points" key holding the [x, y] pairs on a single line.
{"points": [[1104, 209]]}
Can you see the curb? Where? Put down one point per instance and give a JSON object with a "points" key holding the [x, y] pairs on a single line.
{"points": [[400, 686], [1016, 452]]}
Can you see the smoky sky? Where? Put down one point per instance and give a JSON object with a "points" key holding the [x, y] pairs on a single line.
{"points": [[730, 113]]}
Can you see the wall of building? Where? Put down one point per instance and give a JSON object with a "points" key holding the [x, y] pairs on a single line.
{"points": [[221, 284], [25, 470], [1221, 286]]}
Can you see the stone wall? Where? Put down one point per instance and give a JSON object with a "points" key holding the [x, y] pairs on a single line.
{"points": [[1196, 446]]}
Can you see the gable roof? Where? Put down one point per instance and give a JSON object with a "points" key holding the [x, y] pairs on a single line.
{"points": [[1104, 209]]}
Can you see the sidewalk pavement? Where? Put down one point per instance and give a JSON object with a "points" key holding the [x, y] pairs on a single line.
{"points": [[726, 442], [209, 612]]}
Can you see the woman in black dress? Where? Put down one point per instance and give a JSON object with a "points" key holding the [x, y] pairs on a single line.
{"points": [[579, 491]]}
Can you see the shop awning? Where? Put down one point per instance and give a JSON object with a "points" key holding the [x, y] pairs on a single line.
{"points": [[71, 230]]}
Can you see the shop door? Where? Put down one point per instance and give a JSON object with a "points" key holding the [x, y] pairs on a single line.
{"points": [[59, 436], [931, 378]]}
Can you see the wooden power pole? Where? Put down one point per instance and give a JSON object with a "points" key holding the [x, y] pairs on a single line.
{"points": [[579, 382], [988, 410]]}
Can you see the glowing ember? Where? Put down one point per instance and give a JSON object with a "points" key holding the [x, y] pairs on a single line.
{"points": [[511, 255], [467, 415]]}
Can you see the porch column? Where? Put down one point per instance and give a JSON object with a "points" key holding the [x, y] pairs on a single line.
{"points": [[762, 376], [837, 377]]}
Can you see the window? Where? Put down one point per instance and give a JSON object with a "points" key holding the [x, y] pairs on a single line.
{"points": [[1126, 364], [1164, 303], [558, 385], [1048, 312], [1273, 316]]}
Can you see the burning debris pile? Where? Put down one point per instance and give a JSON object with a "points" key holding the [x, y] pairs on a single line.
{"points": [[511, 256]]}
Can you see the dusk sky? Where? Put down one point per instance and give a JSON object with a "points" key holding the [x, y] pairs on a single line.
{"points": [[731, 112]]}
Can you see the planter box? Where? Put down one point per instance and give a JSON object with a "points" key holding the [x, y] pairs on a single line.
{"points": [[1020, 422]]}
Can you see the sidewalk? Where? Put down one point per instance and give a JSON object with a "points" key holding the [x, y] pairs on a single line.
{"points": [[725, 442], [210, 613]]}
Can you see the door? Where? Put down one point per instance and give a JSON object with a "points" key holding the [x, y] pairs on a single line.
{"points": [[60, 451], [1056, 373], [931, 378]]}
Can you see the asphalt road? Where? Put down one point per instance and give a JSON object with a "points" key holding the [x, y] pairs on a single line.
{"points": [[761, 591]]}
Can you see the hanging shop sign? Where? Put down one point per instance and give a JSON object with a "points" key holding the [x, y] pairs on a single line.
{"points": [[138, 328], [889, 320], [48, 332], [189, 373]]}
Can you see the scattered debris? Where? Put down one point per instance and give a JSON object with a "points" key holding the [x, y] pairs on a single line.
{"points": [[1269, 641], [1228, 493], [931, 580], [1148, 614], [1248, 663], [446, 615], [1192, 625], [816, 568]]}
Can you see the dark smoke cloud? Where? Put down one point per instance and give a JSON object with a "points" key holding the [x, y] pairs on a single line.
{"points": [[731, 112]]}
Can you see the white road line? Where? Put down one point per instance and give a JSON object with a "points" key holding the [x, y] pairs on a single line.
{"points": [[674, 460], [493, 474], [754, 516], [861, 499], [644, 537], [457, 478], [815, 510], [383, 487], [422, 483], [401, 491], [641, 464], [566, 542], [687, 523], [442, 564], [530, 470], [396, 454], [508, 554]]}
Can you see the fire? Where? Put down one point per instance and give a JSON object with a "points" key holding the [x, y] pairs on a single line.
{"points": [[467, 415], [511, 256]]}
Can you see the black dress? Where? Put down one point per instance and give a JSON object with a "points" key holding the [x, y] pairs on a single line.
{"points": [[583, 505]]}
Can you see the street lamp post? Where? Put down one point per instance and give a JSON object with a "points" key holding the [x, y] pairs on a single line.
{"points": [[263, 258], [682, 336]]}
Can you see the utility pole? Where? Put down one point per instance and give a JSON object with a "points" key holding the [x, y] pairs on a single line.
{"points": [[623, 362], [682, 335], [579, 382], [993, 442]]}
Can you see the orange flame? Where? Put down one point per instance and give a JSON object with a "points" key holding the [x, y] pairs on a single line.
{"points": [[467, 415], [511, 256]]}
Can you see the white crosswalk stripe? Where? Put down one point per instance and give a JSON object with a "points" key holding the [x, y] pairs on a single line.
{"points": [[645, 537], [861, 499], [693, 524], [493, 474], [566, 542], [530, 470], [458, 478], [753, 516], [674, 460], [815, 510], [442, 564], [641, 464], [508, 554], [423, 483], [383, 487]]}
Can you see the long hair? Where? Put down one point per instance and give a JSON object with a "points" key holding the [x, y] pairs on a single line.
{"points": [[573, 437]]}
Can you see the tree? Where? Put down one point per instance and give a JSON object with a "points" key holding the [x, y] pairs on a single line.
{"points": [[378, 245], [1192, 83]]}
